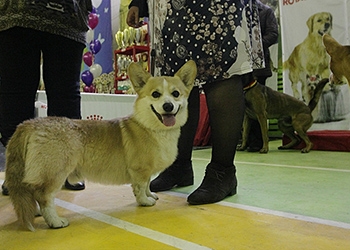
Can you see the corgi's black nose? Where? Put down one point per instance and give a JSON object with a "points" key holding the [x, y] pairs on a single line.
{"points": [[168, 107]]}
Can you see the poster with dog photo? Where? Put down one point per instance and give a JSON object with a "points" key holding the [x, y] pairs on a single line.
{"points": [[306, 62]]}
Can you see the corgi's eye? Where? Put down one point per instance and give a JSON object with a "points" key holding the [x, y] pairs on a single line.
{"points": [[155, 94], [176, 93]]}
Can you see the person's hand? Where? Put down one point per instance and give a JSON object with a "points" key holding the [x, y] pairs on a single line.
{"points": [[132, 18]]}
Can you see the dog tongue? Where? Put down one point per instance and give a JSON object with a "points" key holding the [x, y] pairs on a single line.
{"points": [[169, 120]]}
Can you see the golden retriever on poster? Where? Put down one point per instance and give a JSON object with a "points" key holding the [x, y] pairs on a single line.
{"points": [[310, 57], [43, 152]]}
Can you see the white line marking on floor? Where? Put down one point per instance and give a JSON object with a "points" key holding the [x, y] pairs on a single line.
{"points": [[275, 213], [287, 215], [283, 166], [291, 166], [130, 227]]}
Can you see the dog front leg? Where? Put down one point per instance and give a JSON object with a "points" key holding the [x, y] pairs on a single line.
{"points": [[245, 133], [295, 90], [140, 185], [305, 93], [264, 133], [140, 192], [149, 193]]}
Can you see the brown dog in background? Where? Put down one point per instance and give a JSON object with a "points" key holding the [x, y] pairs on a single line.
{"points": [[340, 59], [293, 115]]}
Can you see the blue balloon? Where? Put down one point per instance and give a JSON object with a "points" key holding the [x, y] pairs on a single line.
{"points": [[87, 77], [95, 46]]}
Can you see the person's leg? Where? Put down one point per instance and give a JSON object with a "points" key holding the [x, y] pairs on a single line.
{"points": [[62, 58], [226, 106], [19, 80], [180, 173]]}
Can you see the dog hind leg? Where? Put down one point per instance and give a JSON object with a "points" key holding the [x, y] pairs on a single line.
{"points": [[301, 125], [45, 195], [24, 203], [307, 141], [288, 130], [48, 210]]}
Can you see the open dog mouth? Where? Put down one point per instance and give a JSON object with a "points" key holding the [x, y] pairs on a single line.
{"points": [[168, 119], [325, 30], [322, 32]]}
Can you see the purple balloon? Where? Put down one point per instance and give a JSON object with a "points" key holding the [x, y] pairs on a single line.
{"points": [[95, 46], [87, 77]]}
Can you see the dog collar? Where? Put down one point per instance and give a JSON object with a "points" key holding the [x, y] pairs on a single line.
{"points": [[250, 85]]}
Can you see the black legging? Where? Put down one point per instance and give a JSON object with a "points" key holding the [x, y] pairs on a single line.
{"points": [[20, 52], [225, 103]]}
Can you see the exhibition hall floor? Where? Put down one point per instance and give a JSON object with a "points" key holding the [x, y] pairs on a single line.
{"points": [[285, 200]]}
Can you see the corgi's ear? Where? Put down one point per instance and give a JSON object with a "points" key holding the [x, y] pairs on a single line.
{"points": [[138, 76], [187, 73], [330, 44]]}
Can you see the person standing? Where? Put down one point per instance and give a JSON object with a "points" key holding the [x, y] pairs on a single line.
{"points": [[220, 36], [29, 29], [269, 32]]}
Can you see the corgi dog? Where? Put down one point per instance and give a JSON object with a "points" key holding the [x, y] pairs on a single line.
{"points": [[44, 152]]}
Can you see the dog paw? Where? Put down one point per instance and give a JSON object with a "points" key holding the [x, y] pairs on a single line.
{"points": [[58, 223], [152, 195], [263, 151], [305, 150], [241, 148], [146, 201]]}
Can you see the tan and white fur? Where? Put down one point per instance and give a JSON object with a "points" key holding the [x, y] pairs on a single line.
{"points": [[309, 57], [43, 152]]}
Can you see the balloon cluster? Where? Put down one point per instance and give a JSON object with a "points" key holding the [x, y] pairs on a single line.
{"points": [[95, 69]]}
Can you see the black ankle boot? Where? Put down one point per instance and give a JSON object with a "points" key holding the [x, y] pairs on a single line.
{"points": [[75, 187], [177, 175], [5, 191], [216, 185]]}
